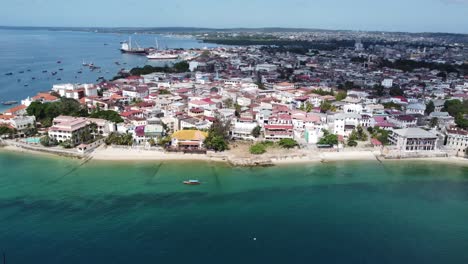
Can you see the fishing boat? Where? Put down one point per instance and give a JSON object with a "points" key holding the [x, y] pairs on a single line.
{"points": [[59, 62], [44, 71], [9, 74], [192, 182]]}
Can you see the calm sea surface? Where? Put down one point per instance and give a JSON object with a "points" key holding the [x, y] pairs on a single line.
{"points": [[37, 51], [55, 210]]}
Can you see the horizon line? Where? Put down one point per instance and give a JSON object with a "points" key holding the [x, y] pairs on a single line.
{"points": [[225, 28]]}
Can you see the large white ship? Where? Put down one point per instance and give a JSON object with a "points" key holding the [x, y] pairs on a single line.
{"points": [[158, 54]]}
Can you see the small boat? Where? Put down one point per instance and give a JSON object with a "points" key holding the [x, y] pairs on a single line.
{"points": [[21, 72], [34, 78], [54, 73], [9, 74], [26, 85], [192, 182], [80, 72], [59, 79], [59, 62], [44, 71], [61, 69], [18, 80], [28, 70]]}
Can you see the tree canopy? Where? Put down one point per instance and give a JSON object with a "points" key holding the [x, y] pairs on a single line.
{"points": [[107, 115], [45, 112]]}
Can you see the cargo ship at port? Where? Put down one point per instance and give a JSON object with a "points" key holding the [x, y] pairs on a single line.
{"points": [[127, 47]]}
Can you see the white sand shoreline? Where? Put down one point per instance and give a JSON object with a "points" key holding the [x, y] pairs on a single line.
{"points": [[110, 154]]}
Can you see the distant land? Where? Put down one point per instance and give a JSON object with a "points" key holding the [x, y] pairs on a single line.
{"points": [[180, 30]]}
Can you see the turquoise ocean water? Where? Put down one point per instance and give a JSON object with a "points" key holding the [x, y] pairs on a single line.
{"points": [[55, 210]]}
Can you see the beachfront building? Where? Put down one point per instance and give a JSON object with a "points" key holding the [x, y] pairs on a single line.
{"points": [[188, 139], [345, 123], [457, 139], [243, 130], [67, 128], [413, 140], [71, 128]]}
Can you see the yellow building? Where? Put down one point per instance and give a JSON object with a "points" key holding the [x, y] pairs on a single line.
{"points": [[188, 139]]}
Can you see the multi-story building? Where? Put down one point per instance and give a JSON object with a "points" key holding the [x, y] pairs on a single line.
{"points": [[413, 140], [457, 139]]}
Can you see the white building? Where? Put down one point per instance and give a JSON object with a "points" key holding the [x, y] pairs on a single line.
{"points": [[243, 130], [413, 140], [387, 83], [457, 139]]}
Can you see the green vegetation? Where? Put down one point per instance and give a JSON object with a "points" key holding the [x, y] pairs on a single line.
{"points": [[288, 143], [411, 65], [396, 91], [47, 141], [379, 90], [218, 135], [322, 92], [429, 108], [180, 67], [256, 131], [341, 95], [46, 112], [307, 107], [326, 106], [328, 139], [458, 110], [352, 143], [358, 134], [391, 105], [164, 91], [257, 149], [296, 46], [109, 115], [9, 132], [117, 139], [379, 134], [164, 141], [434, 122]]}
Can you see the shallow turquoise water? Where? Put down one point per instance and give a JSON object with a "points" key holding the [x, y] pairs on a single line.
{"points": [[55, 210]]}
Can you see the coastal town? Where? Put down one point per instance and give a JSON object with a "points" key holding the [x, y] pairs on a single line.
{"points": [[259, 103]]}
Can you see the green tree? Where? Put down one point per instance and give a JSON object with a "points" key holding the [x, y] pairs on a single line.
{"points": [[352, 143], [288, 143], [164, 141], [430, 107], [257, 149], [396, 91], [325, 106], [47, 141], [434, 122], [379, 90], [218, 135], [4, 130], [340, 95], [461, 121], [328, 139], [109, 115], [256, 131]]}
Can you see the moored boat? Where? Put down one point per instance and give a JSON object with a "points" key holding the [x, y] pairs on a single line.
{"points": [[192, 182]]}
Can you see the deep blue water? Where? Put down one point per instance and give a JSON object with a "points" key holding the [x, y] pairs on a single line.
{"points": [[55, 211], [38, 50]]}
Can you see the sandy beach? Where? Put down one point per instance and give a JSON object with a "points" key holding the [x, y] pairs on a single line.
{"points": [[300, 157]]}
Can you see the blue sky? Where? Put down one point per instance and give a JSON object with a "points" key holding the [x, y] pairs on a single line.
{"points": [[388, 15]]}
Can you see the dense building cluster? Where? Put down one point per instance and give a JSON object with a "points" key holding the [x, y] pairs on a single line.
{"points": [[406, 97]]}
